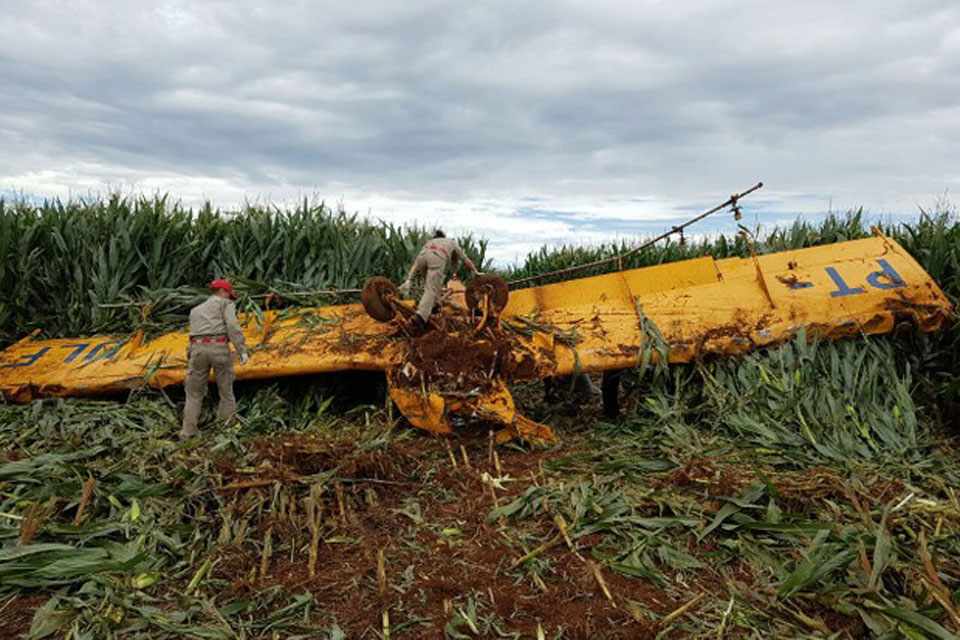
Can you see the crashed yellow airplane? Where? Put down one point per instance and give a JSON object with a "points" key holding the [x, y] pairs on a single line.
{"points": [[600, 323]]}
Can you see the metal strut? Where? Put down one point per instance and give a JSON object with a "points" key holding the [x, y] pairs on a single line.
{"points": [[732, 201]]}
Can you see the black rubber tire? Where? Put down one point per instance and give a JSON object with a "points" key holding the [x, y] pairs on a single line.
{"points": [[493, 286], [610, 391], [375, 298]]}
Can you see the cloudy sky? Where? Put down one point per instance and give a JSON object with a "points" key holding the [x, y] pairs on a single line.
{"points": [[528, 122]]}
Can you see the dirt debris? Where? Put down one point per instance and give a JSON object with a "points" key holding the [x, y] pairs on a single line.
{"points": [[457, 357], [719, 480], [300, 457], [438, 545], [16, 614]]}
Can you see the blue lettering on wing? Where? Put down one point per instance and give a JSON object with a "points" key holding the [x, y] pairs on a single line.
{"points": [[28, 360], [77, 350], [842, 288], [109, 353], [891, 279]]}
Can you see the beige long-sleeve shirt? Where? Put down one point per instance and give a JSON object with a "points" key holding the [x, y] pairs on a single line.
{"points": [[444, 248], [217, 316], [447, 248]]}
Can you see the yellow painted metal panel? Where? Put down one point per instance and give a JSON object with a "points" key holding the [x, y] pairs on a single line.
{"points": [[317, 340], [861, 286], [612, 286], [699, 306]]}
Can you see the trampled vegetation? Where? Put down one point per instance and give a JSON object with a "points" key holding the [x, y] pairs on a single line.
{"points": [[801, 492]]}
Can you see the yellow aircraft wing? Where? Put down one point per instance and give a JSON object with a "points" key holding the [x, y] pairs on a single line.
{"points": [[695, 307]]}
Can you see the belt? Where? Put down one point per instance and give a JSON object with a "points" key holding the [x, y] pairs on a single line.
{"points": [[208, 339]]}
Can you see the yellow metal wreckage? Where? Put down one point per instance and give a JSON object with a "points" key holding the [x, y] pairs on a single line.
{"points": [[609, 322]]}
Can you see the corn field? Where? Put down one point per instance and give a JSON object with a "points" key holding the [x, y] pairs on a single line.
{"points": [[806, 491], [75, 268]]}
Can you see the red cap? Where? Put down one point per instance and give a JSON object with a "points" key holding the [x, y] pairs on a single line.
{"points": [[220, 283]]}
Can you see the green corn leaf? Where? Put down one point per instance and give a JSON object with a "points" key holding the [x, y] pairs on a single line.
{"points": [[735, 505], [920, 621]]}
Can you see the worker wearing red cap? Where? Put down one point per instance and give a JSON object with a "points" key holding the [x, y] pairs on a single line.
{"points": [[213, 323]]}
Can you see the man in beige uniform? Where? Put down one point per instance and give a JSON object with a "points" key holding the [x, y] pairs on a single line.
{"points": [[213, 323], [434, 259]]}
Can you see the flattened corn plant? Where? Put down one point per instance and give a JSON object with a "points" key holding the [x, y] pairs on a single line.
{"points": [[804, 479], [104, 512]]}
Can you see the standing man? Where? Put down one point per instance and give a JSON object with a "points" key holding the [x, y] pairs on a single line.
{"points": [[434, 259], [212, 324]]}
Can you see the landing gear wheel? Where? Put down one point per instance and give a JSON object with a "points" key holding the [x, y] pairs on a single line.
{"points": [[376, 295], [493, 287]]}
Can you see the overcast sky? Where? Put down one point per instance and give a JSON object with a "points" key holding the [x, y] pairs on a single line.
{"points": [[528, 122]]}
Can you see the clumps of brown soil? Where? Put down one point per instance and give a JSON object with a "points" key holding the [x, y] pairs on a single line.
{"points": [[11, 455], [576, 602], [719, 481], [439, 549], [793, 282], [795, 490], [456, 357], [16, 615], [296, 457], [926, 315], [453, 361]]}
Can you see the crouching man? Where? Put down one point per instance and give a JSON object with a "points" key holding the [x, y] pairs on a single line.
{"points": [[439, 256], [213, 323]]}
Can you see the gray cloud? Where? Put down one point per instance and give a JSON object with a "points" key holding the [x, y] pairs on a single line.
{"points": [[463, 112]]}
